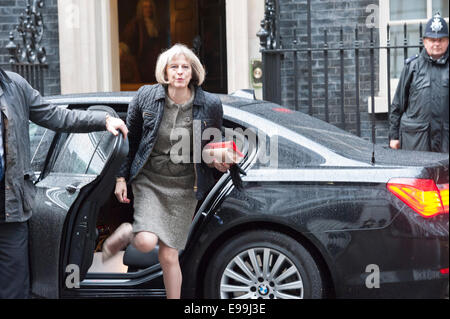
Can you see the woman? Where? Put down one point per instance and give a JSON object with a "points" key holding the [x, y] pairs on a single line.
{"points": [[165, 191]]}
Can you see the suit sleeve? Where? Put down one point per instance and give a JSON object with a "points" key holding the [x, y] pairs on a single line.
{"points": [[400, 102], [58, 119]]}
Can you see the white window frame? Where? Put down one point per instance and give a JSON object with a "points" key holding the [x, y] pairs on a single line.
{"points": [[381, 101]]}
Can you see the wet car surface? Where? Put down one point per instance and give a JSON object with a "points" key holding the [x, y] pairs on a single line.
{"points": [[317, 218]]}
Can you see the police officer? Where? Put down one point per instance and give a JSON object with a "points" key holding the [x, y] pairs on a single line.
{"points": [[419, 114]]}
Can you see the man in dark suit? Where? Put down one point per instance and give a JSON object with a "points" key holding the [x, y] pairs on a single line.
{"points": [[20, 103]]}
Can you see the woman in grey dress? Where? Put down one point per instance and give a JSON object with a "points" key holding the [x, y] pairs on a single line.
{"points": [[166, 186]]}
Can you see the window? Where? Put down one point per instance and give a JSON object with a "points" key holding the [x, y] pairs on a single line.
{"points": [[104, 149], [40, 141], [79, 155], [412, 13], [396, 13]]}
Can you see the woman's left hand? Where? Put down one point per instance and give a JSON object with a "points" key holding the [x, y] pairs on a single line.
{"points": [[221, 167]]}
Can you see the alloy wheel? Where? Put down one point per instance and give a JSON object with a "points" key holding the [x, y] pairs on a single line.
{"points": [[261, 273]]}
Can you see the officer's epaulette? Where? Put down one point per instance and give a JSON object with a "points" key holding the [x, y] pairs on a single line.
{"points": [[408, 60]]}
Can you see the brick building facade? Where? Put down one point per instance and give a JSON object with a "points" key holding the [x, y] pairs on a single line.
{"points": [[331, 16], [93, 26], [99, 20], [10, 11]]}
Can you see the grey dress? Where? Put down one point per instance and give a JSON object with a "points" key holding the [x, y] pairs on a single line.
{"points": [[164, 198]]}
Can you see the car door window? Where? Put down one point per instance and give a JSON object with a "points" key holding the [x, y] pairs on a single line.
{"points": [[102, 152], [40, 141], [77, 154]]}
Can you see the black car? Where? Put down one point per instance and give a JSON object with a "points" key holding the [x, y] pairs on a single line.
{"points": [[323, 214]]}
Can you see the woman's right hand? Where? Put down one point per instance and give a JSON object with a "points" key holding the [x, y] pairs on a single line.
{"points": [[121, 191]]}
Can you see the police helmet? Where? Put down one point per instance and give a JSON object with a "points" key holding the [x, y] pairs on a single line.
{"points": [[436, 27]]}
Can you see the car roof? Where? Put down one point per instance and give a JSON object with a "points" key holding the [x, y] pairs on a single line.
{"points": [[99, 97], [126, 97], [330, 136]]}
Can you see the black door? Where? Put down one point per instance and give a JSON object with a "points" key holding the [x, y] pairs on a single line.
{"points": [[70, 191], [213, 50]]}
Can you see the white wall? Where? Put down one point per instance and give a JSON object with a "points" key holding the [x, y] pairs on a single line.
{"points": [[243, 22], [237, 44], [89, 46], [256, 14]]}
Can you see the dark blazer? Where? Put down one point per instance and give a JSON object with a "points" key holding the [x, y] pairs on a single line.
{"points": [[144, 117], [20, 103]]}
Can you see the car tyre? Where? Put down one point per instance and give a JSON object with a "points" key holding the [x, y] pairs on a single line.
{"points": [[262, 265]]}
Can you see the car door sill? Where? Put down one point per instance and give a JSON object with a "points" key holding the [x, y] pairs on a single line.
{"points": [[122, 276], [110, 293]]}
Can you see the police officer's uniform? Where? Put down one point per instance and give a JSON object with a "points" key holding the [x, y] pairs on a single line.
{"points": [[419, 113]]}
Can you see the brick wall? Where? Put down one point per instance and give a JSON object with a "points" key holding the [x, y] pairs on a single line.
{"points": [[10, 11], [330, 15]]}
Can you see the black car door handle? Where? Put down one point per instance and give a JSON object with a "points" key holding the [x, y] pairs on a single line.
{"points": [[71, 189]]}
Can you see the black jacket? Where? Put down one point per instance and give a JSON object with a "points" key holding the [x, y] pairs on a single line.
{"points": [[144, 117], [19, 103], [419, 114]]}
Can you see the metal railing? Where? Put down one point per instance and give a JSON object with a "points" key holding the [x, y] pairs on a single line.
{"points": [[33, 73], [272, 68], [274, 57], [27, 57]]}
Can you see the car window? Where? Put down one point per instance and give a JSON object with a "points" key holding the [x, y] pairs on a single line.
{"points": [[40, 141], [102, 153], [287, 153], [290, 155], [330, 136], [77, 154]]}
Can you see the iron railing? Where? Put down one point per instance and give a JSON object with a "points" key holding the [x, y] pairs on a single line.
{"points": [[274, 56], [33, 73], [27, 57]]}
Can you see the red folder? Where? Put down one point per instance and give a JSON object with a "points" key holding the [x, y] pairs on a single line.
{"points": [[222, 152]]}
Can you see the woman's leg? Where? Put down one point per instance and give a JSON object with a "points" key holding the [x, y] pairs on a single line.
{"points": [[120, 239], [168, 258], [145, 241]]}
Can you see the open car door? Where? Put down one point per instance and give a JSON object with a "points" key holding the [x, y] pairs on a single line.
{"points": [[78, 177]]}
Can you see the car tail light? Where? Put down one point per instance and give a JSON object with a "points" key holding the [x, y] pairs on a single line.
{"points": [[443, 189], [422, 195], [444, 271]]}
